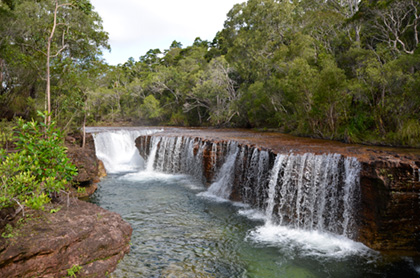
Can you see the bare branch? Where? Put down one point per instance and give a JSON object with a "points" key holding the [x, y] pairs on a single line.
{"points": [[20, 206], [59, 51], [396, 24]]}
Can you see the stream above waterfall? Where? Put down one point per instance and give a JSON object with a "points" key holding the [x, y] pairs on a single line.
{"points": [[181, 228]]}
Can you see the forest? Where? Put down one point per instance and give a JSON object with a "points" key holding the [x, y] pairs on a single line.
{"points": [[345, 70]]}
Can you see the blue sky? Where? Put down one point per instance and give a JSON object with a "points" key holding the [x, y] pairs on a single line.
{"points": [[135, 26]]}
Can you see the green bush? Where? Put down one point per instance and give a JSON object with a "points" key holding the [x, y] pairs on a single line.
{"points": [[6, 134], [39, 168], [71, 272]]}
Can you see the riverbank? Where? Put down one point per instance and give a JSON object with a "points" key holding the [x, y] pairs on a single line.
{"points": [[71, 235]]}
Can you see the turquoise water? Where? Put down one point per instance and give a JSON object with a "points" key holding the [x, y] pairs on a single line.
{"points": [[178, 233]]}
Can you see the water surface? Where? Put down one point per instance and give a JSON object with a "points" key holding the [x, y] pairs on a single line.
{"points": [[178, 232]]}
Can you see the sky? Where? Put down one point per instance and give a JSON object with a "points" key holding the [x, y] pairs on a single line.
{"points": [[136, 26]]}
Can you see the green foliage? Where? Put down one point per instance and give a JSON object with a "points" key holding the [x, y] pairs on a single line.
{"points": [[13, 230], [45, 144], [6, 134], [72, 272], [8, 232], [151, 107], [311, 68], [410, 133], [55, 210], [38, 169], [314, 68], [24, 30]]}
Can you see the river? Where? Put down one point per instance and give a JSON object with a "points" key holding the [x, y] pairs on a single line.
{"points": [[180, 229]]}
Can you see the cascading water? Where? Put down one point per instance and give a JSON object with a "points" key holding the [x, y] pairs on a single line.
{"points": [[151, 159], [309, 192], [222, 186], [176, 155], [314, 192], [305, 200], [272, 187], [116, 149]]}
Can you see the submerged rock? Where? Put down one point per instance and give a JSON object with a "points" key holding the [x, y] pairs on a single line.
{"points": [[81, 237]]}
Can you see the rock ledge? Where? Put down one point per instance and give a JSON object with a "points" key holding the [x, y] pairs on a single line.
{"points": [[82, 234]]}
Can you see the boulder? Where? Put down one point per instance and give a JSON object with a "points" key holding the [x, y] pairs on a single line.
{"points": [[81, 236], [88, 166]]}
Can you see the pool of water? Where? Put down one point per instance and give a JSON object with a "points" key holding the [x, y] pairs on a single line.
{"points": [[180, 232]]}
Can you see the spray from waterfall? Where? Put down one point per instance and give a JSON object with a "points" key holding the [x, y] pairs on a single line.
{"points": [[117, 150]]}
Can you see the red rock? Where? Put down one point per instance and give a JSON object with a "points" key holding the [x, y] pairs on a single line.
{"points": [[83, 234]]}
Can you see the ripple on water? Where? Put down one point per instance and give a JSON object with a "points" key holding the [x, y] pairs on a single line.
{"points": [[179, 234]]}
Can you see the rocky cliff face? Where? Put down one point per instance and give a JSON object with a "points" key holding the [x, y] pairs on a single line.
{"points": [[49, 244], [388, 210], [90, 169]]}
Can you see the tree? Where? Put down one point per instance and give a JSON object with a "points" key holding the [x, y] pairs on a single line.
{"points": [[215, 92], [151, 107], [338, 69], [85, 7], [397, 25], [43, 35]]}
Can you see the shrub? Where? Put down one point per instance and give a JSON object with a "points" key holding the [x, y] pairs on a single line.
{"points": [[6, 134], [39, 168]]}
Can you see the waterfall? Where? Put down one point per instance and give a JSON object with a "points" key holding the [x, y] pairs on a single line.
{"points": [[176, 155], [314, 192], [117, 150], [272, 186], [151, 160], [302, 191], [222, 187]]}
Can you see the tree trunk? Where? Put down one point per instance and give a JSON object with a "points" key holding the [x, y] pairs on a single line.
{"points": [[84, 132], [48, 89], [1, 72], [49, 42]]}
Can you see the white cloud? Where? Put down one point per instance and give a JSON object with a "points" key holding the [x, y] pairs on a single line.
{"points": [[137, 26]]}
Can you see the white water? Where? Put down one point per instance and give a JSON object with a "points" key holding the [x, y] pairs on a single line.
{"points": [[308, 243], [222, 187], [117, 150], [152, 155], [306, 201], [176, 155], [272, 187]]}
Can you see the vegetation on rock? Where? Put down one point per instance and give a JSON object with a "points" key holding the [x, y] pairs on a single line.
{"points": [[38, 169]]}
